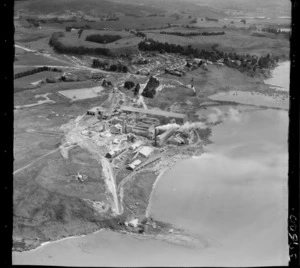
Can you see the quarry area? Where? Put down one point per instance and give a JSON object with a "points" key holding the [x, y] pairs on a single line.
{"points": [[94, 130]]}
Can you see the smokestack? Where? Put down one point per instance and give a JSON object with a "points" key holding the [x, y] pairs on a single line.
{"points": [[155, 137]]}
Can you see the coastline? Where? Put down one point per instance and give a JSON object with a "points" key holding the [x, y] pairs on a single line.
{"points": [[153, 187], [55, 241], [270, 79]]}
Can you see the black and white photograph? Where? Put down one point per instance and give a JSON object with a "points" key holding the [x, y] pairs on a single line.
{"points": [[151, 133]]}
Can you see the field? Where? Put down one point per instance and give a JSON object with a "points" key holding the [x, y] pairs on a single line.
{"points": [[26, 80], [83, 93], [33, 59], [128, 40], [234, 40]]}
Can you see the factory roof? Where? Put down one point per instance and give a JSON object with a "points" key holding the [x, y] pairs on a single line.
{"points": [[146, 151], [96, 109], [153, 112], [134, 164]]}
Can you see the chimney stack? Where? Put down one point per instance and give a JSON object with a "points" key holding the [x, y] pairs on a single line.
{"points": [[155, 135]]}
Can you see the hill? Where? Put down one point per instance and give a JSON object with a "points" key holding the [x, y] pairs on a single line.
{"points": [[95, 7]]}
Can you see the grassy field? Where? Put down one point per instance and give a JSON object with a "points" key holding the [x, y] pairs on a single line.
{"points": [[138, 190], [238, 41], [33, 59], [47, 200], [89, 6], [128, 40], [26, 80]]}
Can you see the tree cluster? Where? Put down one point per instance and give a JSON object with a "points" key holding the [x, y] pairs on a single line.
{"points": [[129, 84], [192, 33], [150, 89], [136, 89], [141, 34], [211, 19], [36, 70], [104, 65], [102, 39], [78, 50]]}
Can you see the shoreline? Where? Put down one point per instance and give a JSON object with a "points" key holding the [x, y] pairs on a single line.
{"points": [[271, 76], [153, 187], [58, 240]]}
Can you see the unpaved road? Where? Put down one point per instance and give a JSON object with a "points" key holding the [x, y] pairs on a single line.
{"points": [[74, 135], [35, 161]]}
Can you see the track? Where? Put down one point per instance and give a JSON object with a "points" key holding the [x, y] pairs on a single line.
{"points": [[35, 161]]}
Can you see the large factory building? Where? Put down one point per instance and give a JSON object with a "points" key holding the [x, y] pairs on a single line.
{"points": [[179, 118]]}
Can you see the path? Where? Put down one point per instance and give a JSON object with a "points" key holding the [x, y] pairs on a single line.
{"points": [[35, 161]]}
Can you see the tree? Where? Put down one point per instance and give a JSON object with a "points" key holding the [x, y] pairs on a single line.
{"points": [[80, 32], [136, 89], [129, 84]]}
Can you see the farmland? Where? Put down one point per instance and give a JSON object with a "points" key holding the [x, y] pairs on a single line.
{"points": [[236, 40]]}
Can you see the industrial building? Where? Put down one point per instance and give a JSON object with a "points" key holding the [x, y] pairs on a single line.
{"points": [[113, 153], [96, 111], [136, 145], [145, 151], [134, 164], [116, 129], [179, 118], [168, 133]]}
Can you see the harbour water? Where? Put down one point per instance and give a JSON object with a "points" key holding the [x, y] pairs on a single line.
{"points": [[280, 76]]}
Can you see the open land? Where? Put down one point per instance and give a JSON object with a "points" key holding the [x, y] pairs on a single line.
{"points": [[78, 169]]}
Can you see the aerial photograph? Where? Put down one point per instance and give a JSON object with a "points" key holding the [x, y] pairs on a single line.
{"points": [[151, 133]]}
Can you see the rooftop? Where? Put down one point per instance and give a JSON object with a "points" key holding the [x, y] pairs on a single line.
{"points": [[152, 112], [96, 109]]}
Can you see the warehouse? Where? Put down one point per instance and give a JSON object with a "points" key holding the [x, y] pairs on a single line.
{"points": [[146, 151], [136, 145], [179, 118], [134, 164], [96, 111]]}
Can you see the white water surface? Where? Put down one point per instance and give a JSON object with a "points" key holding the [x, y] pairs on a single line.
{"points": [[280, 76]]}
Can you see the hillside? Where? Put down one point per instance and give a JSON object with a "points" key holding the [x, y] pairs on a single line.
{"points": [[96, 7]]}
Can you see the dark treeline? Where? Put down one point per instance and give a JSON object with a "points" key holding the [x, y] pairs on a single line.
{"points": [[276, 31], [102, 39], [241, 62], [192, 33], [104, 65], [141, 34], [36, 70], [150, 89], [78, 50]]}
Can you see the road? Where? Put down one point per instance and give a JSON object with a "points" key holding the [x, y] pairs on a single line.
{"points": [[35, 161], [120, 188]]}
